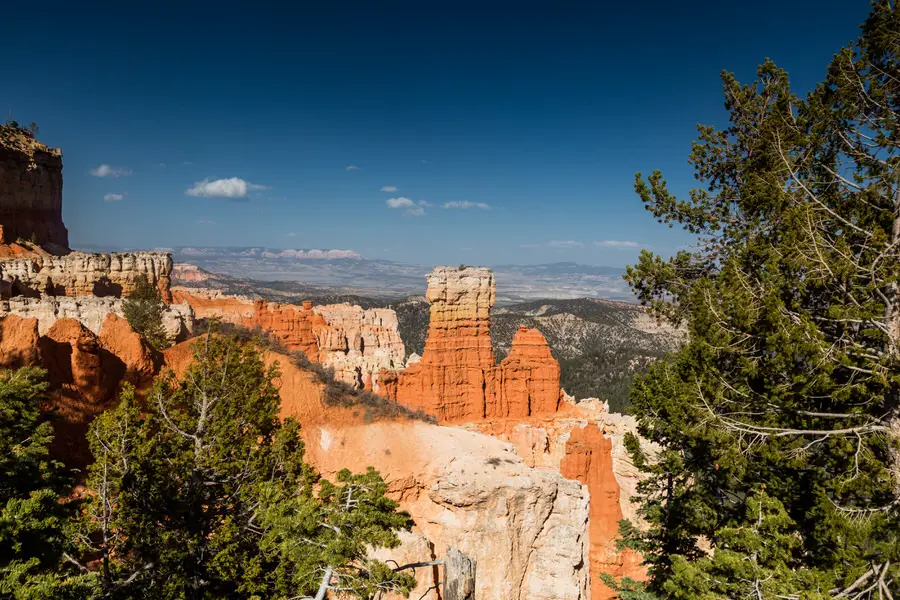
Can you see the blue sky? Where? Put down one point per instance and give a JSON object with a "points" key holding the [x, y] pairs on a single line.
{"points": [[542, 112]]}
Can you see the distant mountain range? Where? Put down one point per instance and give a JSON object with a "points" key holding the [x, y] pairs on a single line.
{"points": [[345, 272]]}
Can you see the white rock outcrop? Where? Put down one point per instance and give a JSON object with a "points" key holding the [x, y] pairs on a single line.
{"points": [[82, 274], [526, 528], [91, 311]]}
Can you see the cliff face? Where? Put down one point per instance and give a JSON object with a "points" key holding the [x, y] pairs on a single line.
{"points": [[30, 190], [80, 274], [357, 344]]}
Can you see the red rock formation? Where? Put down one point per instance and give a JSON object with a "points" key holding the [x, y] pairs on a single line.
{"points": [[140, 359], [528, 378], [291, 326], [84, 378], [30, 191], [18, 342], [357, 344], [457, 378], [589, 460]]}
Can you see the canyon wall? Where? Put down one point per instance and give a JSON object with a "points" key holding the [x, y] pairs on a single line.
{"points": [[358, 344], [81, 274], [30, 190]]}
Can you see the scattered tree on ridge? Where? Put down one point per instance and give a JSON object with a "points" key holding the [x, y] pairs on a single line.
{"points": [[143, 309], [779, 419], [205, 494]]}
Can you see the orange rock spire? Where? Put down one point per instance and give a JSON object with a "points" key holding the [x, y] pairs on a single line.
{"points": [[458, 378]]}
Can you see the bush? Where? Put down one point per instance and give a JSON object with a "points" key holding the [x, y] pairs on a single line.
{"points": [[144, 310]]}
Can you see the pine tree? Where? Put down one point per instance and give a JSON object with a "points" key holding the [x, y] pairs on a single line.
{"points": [[205, 494], [778, 420], [32, 518], [143, 309]]}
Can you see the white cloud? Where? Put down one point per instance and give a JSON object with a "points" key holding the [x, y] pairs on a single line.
{"points": [[233, 187], [112, 197], [205, 222], [565, 244], [400, 202], [529, 245], [389, 188], [351, 168], [466, 204], [291, 234], [415, 209], [105, 170], [617, 244], [312, 254]]}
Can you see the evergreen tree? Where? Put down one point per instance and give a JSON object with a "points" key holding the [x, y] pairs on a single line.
{"points": [[32, 518], [205, 494], [778, 420], [143, 309]]}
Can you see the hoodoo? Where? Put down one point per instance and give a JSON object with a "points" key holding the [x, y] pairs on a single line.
{"points": [[458, 378]]}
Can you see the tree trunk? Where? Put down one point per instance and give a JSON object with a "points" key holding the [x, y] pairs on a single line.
{"points": [[459, 576]]}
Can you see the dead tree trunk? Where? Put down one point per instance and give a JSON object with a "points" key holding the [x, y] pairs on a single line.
{"points": [[459, 576]]}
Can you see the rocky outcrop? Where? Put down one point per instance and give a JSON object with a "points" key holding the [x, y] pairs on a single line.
{"points": [[81, 274], [357, 344], [140, 359], [90, 311], [84, 377], [18, 342], [187, 273], [585, 442], [30, 190], [524, 527], [293, 327], [457, 378]]}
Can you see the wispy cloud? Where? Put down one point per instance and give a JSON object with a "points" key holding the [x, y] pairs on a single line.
{"points": [[389, 188], [529, 245], [233, 188], [105, 170], [564, 244], [291, 234], [113, 197], [465, 204], [415, 209], [205, 222], [351, 168], [617, 244]]}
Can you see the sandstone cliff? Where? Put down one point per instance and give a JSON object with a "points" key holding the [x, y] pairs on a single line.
{"points": [[80, 274], [357, 344], [30, 190]]}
